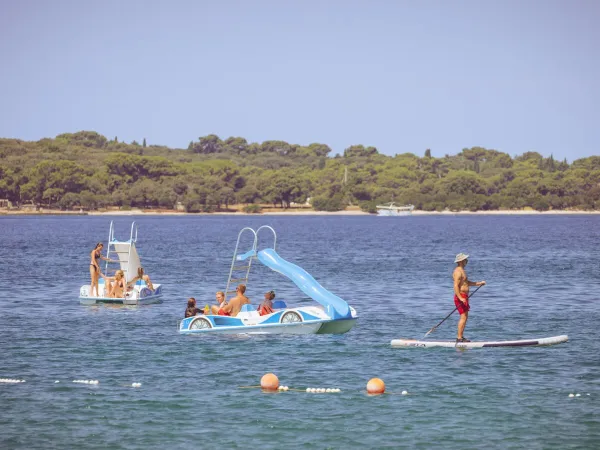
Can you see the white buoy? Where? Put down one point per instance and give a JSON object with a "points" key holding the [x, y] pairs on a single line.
{"points": [[577, 395], [286, 388], [404, 392], [571, 395], [307, 389], [56, 382]]}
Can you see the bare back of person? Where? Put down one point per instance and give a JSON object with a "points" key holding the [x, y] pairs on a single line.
{"points": [[146, 279], [234, 306]]}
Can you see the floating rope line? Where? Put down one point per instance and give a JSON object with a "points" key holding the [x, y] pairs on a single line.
{"points": [[86, 381], [273, 389]]}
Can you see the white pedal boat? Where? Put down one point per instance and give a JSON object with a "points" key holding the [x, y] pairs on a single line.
{"points": [[334, 316], [413, 343], [125, 255], [303, 320]]}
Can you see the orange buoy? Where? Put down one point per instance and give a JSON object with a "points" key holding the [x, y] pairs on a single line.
{"points": [[269, 381], [375, 386]]}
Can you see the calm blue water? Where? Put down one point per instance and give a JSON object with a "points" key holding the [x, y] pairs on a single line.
{"points": [[543, 276]]}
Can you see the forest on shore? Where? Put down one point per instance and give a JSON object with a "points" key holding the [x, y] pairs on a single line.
{"points": [[87, 170]]}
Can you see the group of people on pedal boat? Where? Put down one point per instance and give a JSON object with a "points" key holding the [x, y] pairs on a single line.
{"points": [[233, 306], [117, 286]]}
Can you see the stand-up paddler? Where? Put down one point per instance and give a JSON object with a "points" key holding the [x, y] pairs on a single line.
{"points": [[461, 293]]}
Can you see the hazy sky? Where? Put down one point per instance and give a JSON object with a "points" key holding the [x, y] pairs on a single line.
{"points": [[402, 76]]}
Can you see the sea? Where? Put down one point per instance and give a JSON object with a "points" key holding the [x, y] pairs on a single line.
{"points": [[542, 275]]}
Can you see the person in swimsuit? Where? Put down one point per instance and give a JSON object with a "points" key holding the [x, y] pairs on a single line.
{"points": [[95, 255], [234, 306], [191, 309], [144, 278], [266, 307], [461, 293], [119, 287], [220, 296]]}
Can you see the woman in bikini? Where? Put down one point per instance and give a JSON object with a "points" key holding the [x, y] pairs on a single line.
{"points": [[118, 288], [95, 267]]}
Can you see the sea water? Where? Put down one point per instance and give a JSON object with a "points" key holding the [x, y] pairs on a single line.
{"points": [[543, 279]]}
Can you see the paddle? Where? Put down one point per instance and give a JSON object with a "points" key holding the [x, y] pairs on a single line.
{"points": [[433, 329]]}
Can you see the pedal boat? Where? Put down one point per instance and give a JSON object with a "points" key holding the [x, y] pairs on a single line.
{"points": [[332, 316], [125, 255]]}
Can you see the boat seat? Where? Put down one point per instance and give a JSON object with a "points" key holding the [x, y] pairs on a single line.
{"points": [[248, 308], [279, 304]]}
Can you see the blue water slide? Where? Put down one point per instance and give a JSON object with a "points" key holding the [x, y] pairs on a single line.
{"points": [[336, 307]]}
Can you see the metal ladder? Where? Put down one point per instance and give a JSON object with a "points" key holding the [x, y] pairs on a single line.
{"points": [[239, 266]]}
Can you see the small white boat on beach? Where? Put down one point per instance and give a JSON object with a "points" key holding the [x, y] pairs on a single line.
{"points": [[125, 255], [390, 209]]}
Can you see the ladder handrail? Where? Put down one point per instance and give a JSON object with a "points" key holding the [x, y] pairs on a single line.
{"points": [[111, 232], [274, 236], [235, 252], [131, 242]]}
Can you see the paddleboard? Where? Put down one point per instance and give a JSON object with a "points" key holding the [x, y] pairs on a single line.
{"points": [[479, 344]]}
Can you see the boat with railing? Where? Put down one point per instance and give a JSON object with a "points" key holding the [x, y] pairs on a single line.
{"points": [[123, 255], [332, 314], [390, 209]]}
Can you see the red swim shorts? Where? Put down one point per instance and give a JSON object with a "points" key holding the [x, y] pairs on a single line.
{"points": [[223, 313], [462, 307]]}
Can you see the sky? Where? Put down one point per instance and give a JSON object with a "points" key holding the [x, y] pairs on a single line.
{"points": [[403, 76]]}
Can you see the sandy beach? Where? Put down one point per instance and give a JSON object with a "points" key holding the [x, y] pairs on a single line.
{"points": [[289, 212]]}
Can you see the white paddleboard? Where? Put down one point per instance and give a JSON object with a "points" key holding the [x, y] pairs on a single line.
{"points": [[413, 343]]}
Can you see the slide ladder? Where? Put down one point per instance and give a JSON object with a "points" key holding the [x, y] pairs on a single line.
{"points": [[240, 264]]}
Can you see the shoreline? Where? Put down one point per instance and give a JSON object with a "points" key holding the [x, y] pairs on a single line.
{"points": [[139, 212]]}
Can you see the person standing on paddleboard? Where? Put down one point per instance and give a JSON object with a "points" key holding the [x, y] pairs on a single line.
{"points": [[461, 293]]}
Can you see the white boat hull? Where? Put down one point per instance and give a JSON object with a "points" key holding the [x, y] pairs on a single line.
{"points": [[139, 296], [313, 321], [387, 212], [412, 343]]}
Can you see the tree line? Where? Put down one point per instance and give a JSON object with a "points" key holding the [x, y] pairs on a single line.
{"points": [[88, 170]]}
